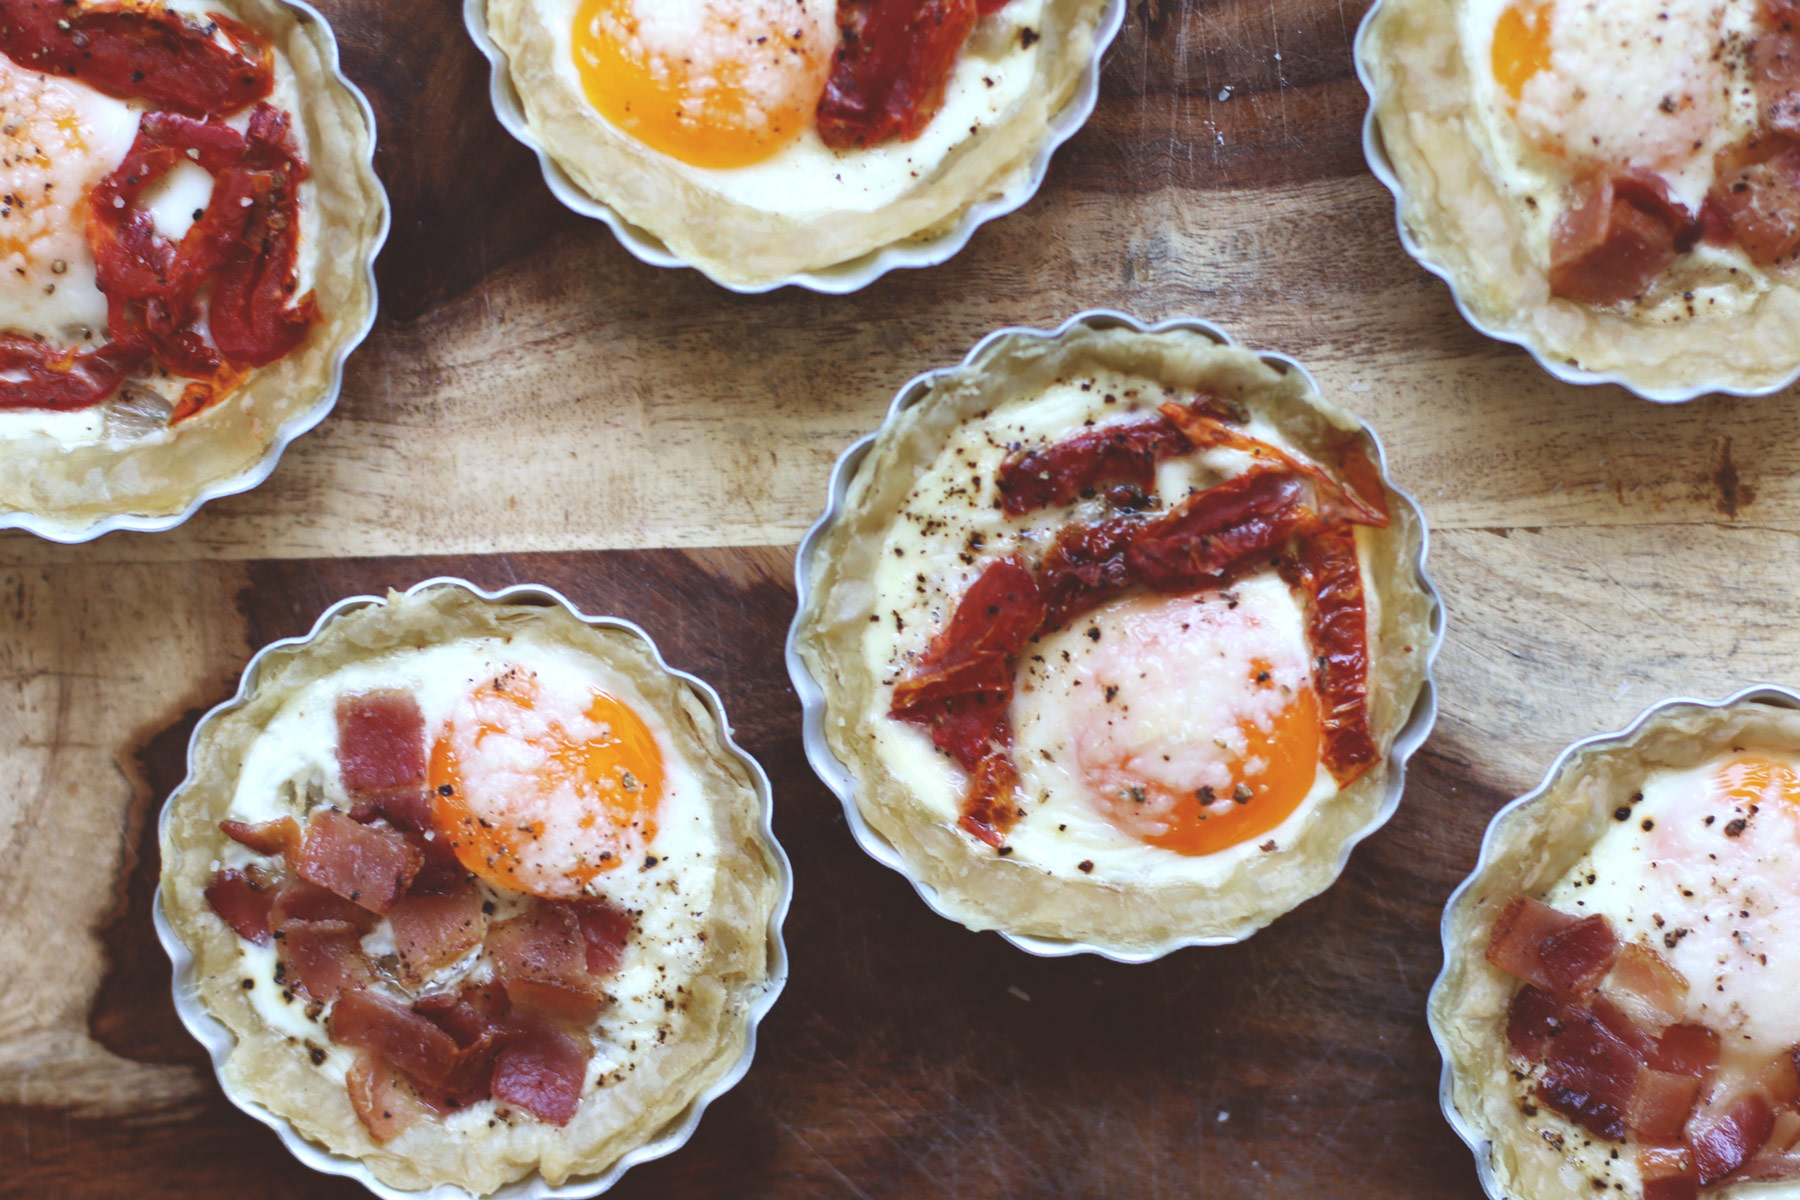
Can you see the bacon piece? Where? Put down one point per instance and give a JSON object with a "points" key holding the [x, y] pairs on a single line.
{"points": [[1619, 234], [365, 864], [1756, 204], [1337, 629], [1650, 991], [1532, 1019], [402, 1038], [381, 750], [1589, 1074], [250, 315], [277, 838], [891, 67], [467, 1015], [434, 929], [542, 958], [606, 930], [1687, 1050], [1668, 1173], [242, 904], [1214, 531], [1724, 1137], [141, 52], [543, 1071], [1776, 63], [1057, 474], [1360, 499], [1559, 953], [968, 669], [1780, 1156], [380, 1098], [1661, 1103], [320, 938]]}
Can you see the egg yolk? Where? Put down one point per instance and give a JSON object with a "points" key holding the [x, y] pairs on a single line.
{"points": [[542, 794], [1521, 45], [713, 83], [1272, 764], [1753, 779]]}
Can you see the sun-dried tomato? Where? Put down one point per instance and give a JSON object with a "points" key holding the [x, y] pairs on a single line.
{"points": [[891, 68], [1328, 571], [141, 52], [1216, 530]]}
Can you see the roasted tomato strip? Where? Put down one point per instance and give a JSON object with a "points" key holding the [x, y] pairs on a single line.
{"points": [[1337, 630], [1060, 473], [888, 78], [34, 375], [140, 52]]}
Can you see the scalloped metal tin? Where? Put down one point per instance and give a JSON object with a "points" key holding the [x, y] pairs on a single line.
{"points": [[842, 278], [837, 776], [1480, 1146], [72, 532], [1375, 151], [219, 1040]]}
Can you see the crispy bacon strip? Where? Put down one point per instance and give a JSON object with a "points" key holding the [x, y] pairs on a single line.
{"points": [[277, 838], [365, 864], [543, 958], [1561, 954], [1755, 202], [380, 1099], [141, 52], [1724, 1139], [1668, 1173], [434, 929], [381, 746], [242, 904], [1619, 234], [542, 1072], [1589, 1074], [606, 930], [411, 1043]]}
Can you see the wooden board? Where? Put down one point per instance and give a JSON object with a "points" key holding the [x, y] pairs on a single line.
{"points": [[536, 405]]}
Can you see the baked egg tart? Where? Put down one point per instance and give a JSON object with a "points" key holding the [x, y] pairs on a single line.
{"points": [[472, 891], [1615, 186], [1617, 1008], [1115, 638], [189, 221], [818, 142]]}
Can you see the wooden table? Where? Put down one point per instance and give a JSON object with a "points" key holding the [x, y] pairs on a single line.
{"points": [[536, 405]]}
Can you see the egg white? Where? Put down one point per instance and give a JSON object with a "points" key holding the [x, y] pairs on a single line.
{"points": [[951, 529], [806, 177], [296, 757]]}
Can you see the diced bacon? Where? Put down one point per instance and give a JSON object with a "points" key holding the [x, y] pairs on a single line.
{"points": [[380, 1098], [381, 743], [466, 1015], [543, 1072], [542, 957], [1776, 60], [1215, 531], [1532, 1019], [1062, 472], [408, 810], [365, 864], [433, 930], [1618, 235], [1687, 1050], [1559, 953], [277, 838], [320, 940], [606, 930], [1779, 1158], [1620, 1025], [1589, 1075], [1643, 984], [1723, 1137], [402, 1038], [1668, 1173], [1757, 205], [1660, 1105], [242, 904]]}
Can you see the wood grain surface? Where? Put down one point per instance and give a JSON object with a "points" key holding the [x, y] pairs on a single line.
{"points": [[536, 405]]}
